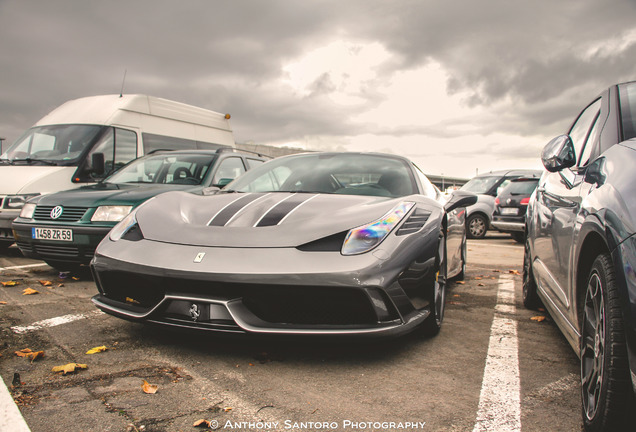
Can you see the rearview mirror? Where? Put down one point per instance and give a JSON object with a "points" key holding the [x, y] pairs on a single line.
{"points": [[558, 154], [458, 199], [98, 165]]}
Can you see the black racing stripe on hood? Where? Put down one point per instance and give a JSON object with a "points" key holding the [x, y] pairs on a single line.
{"points": [[277, 213], [224, 216]]}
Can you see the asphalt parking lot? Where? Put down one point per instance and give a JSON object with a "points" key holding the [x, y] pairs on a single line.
{"points": [[494, 365]]}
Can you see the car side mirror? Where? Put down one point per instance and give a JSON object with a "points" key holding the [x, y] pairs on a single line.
{"points": [[460, 198], [595, 172], [223, 181], [558, 154], [98, 164]]}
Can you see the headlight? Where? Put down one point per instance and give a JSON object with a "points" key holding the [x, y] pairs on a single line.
{"points": [[367, 237], [110, 213], [27, 211], [124, 226], [16, 202]]}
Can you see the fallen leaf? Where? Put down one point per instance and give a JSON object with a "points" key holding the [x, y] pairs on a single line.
{"points": [[481, 284], [131, 300], [460, 282], [23, 352], [478, 278], [33, 355], [45, 283], [29, 291], [201, 423], [60, 285], [75, 278], [10, 283], [227, 409], [96, 350], [456, 295], [497, 271], [538, 318], [3, 302], [149, 388], [69, 368], [514, 272]]}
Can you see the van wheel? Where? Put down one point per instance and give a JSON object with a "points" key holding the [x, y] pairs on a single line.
{"points": [[605, 381]]}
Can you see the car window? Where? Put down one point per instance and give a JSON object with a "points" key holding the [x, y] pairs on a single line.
{"points": [[580, 131], [627, 96], [165, 168], [503, 185], [252, 163], [521, 187], [229, 168], [481, 184]]}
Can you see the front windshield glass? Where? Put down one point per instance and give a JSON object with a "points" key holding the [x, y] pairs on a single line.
{"points": [[349, 174], [55, 144], [480, 185], [186, 168]]}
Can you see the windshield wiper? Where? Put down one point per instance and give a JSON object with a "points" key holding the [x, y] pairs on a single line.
{"points": [[30, 160]]}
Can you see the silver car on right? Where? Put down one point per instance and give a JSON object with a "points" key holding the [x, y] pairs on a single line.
{"points": [[580, 252]]}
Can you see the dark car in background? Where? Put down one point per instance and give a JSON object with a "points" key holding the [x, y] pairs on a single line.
{"points": [[580, 252], [511, 205], [487, 186], [64, 228]]}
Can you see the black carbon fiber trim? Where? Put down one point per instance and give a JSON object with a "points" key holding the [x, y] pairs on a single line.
{"points": [[224, 216], [282, 209]]}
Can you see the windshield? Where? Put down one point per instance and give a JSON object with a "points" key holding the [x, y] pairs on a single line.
{"points": [[187, 168], [521, 187], [480, 185], [53, 144], [349, 174]]}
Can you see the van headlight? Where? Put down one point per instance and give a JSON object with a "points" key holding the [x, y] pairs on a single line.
{"points": [[366, 237], [16, 202], [110, 213]]}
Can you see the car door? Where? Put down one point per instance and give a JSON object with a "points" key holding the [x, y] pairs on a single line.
{"points": [[559, 197]]}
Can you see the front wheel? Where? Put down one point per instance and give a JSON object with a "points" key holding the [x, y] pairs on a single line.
{"points": [[605, 380], [476, 226], [436, 293]]}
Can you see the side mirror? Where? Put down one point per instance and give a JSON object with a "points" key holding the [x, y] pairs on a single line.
{"points": [[460, 198], [98, 164], [558, 154], [595, 172], [223, 181]]}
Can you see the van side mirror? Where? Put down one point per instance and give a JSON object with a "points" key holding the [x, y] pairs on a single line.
{"points": [[98, 164], [458, 199], [558, 154]]}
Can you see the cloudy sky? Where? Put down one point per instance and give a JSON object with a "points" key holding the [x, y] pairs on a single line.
{"points": [[458, 86]]}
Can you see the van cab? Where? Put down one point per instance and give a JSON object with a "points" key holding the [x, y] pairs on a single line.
{"points": [[84, 140]]}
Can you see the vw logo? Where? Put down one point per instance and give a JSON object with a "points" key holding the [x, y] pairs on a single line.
{"points": [[56, 212]]}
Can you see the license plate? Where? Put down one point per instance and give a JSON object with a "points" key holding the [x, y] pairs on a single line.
{"points": [[57, 234], [509, 211]]}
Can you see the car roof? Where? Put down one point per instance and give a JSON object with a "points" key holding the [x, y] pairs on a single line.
{"points": [[512, 172]]}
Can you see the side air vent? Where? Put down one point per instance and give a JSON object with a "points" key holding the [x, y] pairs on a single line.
{"points": [[414, 223], [333, 243]]}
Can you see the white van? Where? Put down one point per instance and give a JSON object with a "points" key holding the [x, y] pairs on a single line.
{"points": [[85, 139]]}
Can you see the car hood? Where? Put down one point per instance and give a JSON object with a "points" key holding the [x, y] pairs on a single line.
{"points": [[111, 194], [261, 219]]}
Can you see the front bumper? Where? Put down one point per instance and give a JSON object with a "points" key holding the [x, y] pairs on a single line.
{"points": [[278, 291], [6, 218], [80, 251]]}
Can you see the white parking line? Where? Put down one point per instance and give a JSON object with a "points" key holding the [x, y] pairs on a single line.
{"points": [[499, 400], [10, 416], [23, 266], [52, 322]]}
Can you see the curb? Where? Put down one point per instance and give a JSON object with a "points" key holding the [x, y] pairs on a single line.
{"points": [[11, 419]]}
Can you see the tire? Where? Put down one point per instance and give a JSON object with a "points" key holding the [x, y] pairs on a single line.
{"points": [[476, 226], [518, 236], [531, 298], [436, 293], [605, 381]]}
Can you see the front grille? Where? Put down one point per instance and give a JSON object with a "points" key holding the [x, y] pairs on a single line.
{"points": [[302, 305], [55, 250], [69, 214]]}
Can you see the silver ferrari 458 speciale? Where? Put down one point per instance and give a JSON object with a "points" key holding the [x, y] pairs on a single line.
{"points": [[311, 244]]}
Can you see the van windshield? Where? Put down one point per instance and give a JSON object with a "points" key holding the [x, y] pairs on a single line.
{"points": [[54, 145]]}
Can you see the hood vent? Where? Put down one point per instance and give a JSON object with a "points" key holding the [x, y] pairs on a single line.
{"points": [[414, 223]]}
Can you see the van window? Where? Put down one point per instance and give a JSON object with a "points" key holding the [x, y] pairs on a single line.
{"points": [[125, 147], [154, 142]]}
